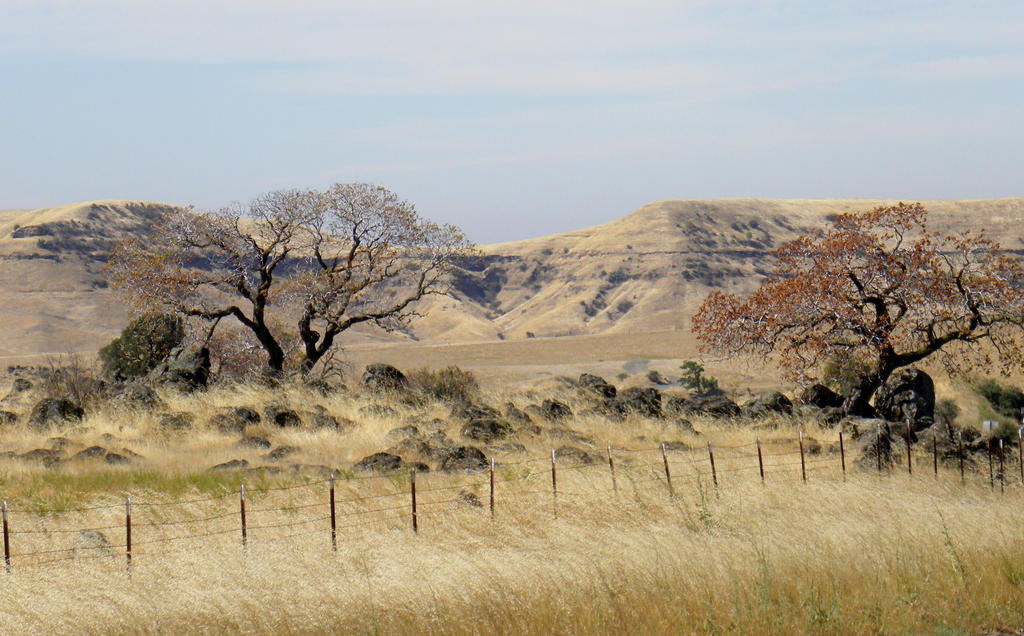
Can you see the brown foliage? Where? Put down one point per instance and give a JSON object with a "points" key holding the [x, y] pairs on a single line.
{"points": [[878, 287]]}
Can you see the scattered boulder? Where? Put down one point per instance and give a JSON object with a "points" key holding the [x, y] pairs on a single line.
{"points": [[379, 462], [469, 411], [320, 418], [555, 410], [234, 420], [646, 402], [767, 403], [596, 385], [676, 404], [575, 455], [91, 540], [21, 385], [176, 421], [7, 417], [186, 368], [254, 441], [116, 458], [470, 499], [234, 464], [51, 412], [514, 414], [820, 396], [909, 394], [281, 417], [136, 394], [281, 452], [464, 458], [384, 377], [402, 433], [486, 429], [93, 452], [714, 405], [48, 457], [880, 444], [378, 410]]}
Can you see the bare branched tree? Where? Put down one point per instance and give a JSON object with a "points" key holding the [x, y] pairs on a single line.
{"points": [[321, 261]]}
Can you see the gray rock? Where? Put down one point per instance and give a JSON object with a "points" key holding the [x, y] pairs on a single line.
{"points": [[468, 411], [281, 452], [116, 458], [136, 394], [486, 429], [379, 462], [186, 368], [234, 420], [51, 412], [93, 452], [21, 385], [281, 417], [677, 404], [402, 433], [573, 455], [253, 441], [646, 401], [596, 385], [909, 394], [820, 396], [48, 457], [7, 417], [467, 458], [767, 403], [234, 464], [378, 410], [555, 410], [516, 415], [384, 377], [714, 405], [176, 421]]}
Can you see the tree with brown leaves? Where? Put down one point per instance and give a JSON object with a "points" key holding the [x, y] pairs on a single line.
{"points": [[322, 261], [880, 288]]}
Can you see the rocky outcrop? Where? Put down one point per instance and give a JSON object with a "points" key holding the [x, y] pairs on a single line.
{"points": [[908, 394], [186, 368], [383, 377], [646, 402], [51, 412]]}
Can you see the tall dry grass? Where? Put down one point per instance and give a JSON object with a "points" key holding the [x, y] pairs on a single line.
{"points": [[871, 554]]}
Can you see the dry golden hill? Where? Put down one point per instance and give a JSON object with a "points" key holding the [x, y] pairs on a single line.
{"points": [[636, 279]]}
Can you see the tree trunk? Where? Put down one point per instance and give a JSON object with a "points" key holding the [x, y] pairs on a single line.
{"points": [[858, 402]]}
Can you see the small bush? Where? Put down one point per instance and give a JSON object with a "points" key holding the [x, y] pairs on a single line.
{"points": [[142, 345], [451, 384], [843, 374], [693, 378], [1005, 400], [946, 411], [68, 377]]}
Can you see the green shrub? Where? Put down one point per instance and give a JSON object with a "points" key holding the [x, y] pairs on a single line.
{"points": [[142, 345], [946, 411], [693, 378], [842, 374], [1005, 400], [451, 384]]}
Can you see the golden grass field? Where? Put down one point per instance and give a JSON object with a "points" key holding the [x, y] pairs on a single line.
{"points": [[883, 554]]}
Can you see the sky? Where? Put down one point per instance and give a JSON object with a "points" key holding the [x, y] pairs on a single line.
{"points": [[510, 120]]}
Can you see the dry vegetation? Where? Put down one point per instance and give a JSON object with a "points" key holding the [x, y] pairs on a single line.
{"points": [[872, 554]]}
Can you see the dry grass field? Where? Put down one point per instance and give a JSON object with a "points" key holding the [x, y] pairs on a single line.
{"points": [[882, 554]]}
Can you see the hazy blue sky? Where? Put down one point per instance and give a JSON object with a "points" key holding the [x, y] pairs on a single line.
{"points": [[516, 120]]}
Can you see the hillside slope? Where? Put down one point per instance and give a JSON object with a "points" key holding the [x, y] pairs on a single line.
{"points": [[644, 272]]}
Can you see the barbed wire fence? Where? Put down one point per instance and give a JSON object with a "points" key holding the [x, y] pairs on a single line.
{"points": [[170, 527]]}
